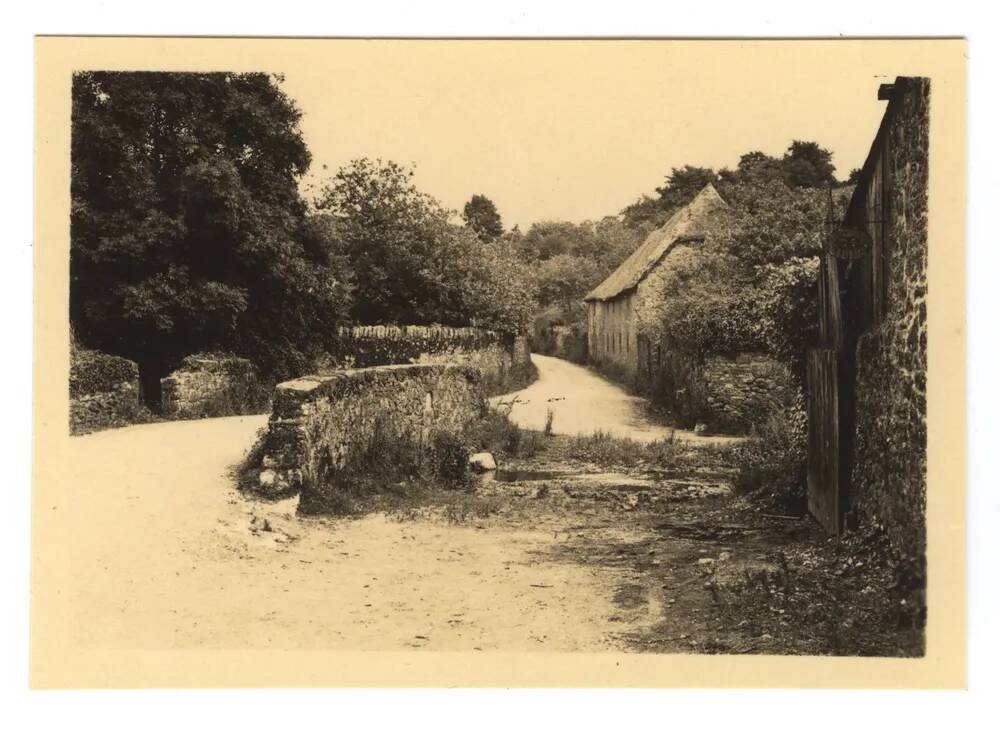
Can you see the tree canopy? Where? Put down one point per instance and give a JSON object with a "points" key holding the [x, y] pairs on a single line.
{"points": [[480, 214], [804, 164], [410, 264], [187, 228]]}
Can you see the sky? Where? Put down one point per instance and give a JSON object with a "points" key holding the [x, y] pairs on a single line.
{"points": [[576, 130]]}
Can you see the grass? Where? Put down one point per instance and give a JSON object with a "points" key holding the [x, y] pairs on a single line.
{"points": [[604, 449]]}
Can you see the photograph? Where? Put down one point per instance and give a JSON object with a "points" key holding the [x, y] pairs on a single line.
{"points": [[453, 352]]}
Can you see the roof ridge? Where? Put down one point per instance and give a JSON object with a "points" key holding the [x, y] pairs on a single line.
{"points": [[657, 245]]}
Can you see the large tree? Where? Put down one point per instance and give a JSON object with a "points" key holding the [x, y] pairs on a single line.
{"points": [[806, 164], [481, 215], [187, 229]]}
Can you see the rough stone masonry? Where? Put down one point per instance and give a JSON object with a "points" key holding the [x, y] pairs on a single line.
{"points": [[322, 425]]}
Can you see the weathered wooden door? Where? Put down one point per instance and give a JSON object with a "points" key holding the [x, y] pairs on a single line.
{"points": [[824, 439]]}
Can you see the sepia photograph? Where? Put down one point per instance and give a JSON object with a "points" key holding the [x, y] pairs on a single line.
{"points": [[461, 352]]}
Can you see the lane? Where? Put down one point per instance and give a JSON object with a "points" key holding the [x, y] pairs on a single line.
{"points": [[158, 550], [582, 403]]}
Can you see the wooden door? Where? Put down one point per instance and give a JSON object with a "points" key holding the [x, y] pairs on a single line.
{"points": [[824, 439]]}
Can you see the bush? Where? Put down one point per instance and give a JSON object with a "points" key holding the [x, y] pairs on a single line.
{"points": [[93, 372], [772, 462], [495, 433], [449, 458]]}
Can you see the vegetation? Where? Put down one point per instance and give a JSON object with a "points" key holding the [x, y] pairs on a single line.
{"points": [[804, 165], [568, 260], [772, 461], [410, 264], [481, 215], [188, 232]]}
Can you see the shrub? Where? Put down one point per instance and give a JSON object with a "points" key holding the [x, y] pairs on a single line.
{"points": [[772, 461], [494, 432], [92, 372], [449, 458]]}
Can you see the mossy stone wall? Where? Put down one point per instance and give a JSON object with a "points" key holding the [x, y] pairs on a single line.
{"points": [[322, 427]]}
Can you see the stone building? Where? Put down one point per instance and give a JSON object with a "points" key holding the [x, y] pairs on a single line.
{"points": [[613, 338], [867, 376]]}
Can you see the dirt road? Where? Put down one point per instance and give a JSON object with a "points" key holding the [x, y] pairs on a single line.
{"points": [[583, 402], [162, 552]]}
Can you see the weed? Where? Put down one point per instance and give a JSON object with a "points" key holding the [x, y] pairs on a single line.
{"points": [[772, 462], [549, 417], [607, 450]]}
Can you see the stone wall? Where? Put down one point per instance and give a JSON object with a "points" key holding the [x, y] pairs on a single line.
{"points": [[743, 390], [211, 385], [890, 459], [504, 361], [104, 391], [725, 393], [323, 427]]}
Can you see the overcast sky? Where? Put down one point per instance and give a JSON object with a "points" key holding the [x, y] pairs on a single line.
{"points": [[576, 130]]}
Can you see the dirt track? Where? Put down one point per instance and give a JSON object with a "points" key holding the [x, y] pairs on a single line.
{"points": [[167, 554], [582, 402]]}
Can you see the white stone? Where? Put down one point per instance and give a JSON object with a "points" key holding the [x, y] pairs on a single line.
{"points": [[481, 462]]}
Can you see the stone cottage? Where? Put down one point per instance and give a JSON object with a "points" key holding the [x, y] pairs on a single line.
{"points": [[612, 332], [724, 392]]}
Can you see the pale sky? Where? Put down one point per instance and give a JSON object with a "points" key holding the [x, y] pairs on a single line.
{"points": [[577, 130]]}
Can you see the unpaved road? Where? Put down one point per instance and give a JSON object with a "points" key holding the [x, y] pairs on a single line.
{"points": [[583, 403], [161, 552]]}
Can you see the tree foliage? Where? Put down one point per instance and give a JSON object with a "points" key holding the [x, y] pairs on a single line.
{"points": [[481, 215], [411, 265], [804, 164], [808, 165], [679, 188], [751, 286], [187, 228], [570, 259]]}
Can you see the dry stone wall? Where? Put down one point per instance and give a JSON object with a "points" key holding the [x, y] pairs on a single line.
{"points": [[743, 390], [211, 385], [502, 360], [323, 427], [104, 391], [725, 393]]}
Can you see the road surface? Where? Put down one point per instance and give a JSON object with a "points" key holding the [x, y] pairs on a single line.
{"points": [[158, 550], [583, 403]]}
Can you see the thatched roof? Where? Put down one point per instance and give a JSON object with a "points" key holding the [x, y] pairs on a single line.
{"points": [[688, 223]]}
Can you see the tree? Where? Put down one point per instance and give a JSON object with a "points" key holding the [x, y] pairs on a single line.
{"points": [[854, 177], [480, 214], [564, 280], [411, 265], [759, 167], [397, 240], [187, 228], [498, 290], [551, 238], [807, 164], [680, 187]]}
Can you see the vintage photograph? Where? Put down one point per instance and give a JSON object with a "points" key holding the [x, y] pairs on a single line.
{"points": [[499, 346]]}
